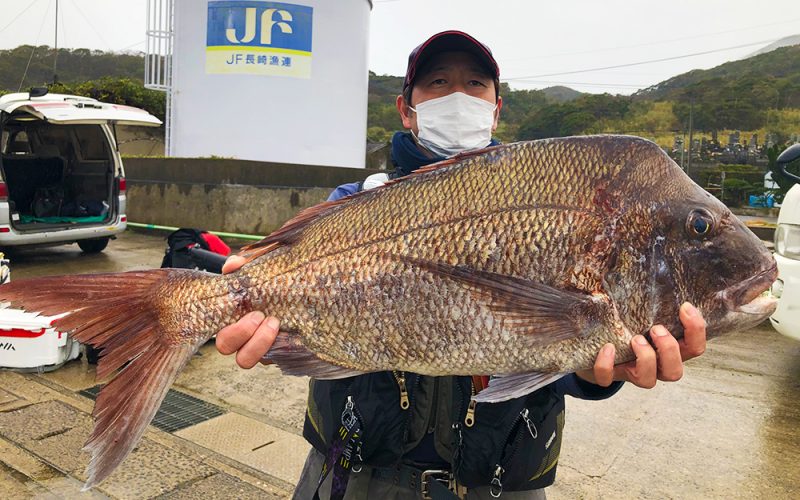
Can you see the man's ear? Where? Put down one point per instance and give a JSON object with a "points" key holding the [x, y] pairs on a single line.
{"points": [[402, 108], [497, 113]]}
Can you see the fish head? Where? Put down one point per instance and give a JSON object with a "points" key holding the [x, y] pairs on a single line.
{"points": [[703, 254]]}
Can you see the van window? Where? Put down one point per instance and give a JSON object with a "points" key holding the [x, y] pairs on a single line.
{"points": [[92, 142], [53, 140], [17, 143]]}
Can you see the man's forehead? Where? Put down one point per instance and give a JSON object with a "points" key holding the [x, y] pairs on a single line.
{"points": [[450, 60]]}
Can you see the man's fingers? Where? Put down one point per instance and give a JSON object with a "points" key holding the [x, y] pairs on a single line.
{"points": [[693, 343], [231, 338], [670, 364], [604, 366], [258, 345], [644, 370], [233, 263]]}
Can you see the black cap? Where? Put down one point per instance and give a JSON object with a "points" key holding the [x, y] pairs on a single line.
{"points": [[446, 41]]}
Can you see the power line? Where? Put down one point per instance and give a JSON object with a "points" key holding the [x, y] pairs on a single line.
{"points": [[20, 14], [588, 84], [108, 45], [648, 44], [640, 62]]}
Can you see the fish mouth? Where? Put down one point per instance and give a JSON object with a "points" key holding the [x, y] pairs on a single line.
{"points": [[746, 296]]}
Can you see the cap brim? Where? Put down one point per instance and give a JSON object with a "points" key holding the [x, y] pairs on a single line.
{"points": [[450, 41]]}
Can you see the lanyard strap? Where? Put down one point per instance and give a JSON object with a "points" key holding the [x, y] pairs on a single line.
{"points": [[339, 458]]}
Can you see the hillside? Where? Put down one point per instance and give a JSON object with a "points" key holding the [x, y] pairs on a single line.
{"points": [[777, 71], [559, 93], [74, 66]]}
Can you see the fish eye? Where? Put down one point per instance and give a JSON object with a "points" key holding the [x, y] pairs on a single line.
{"points": [[699, 223]]}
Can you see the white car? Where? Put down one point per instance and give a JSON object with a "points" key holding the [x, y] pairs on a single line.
{"points": [[62, 179], [786, 288]]}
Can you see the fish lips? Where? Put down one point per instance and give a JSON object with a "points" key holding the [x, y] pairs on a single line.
{"points": [[746, 296]]}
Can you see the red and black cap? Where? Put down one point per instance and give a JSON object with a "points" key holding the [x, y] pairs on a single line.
{"points": [[446, 41]]}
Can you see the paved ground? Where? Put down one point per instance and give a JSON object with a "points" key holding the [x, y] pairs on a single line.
{"points": [[729, 429]]}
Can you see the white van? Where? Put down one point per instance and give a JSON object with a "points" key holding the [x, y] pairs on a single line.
{"points": [[786, 288], [62, 179]]}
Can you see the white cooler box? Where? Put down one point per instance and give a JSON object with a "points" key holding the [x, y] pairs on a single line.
{"points": [[28, 342]]}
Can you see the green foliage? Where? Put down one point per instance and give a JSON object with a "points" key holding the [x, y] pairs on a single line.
{"points": [[74, 65], [784, 183], [585, 114], [737, 191], [735, 95], [378, 134]]}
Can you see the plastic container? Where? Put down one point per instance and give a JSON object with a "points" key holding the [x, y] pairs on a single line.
{"points": [[28, 342]]}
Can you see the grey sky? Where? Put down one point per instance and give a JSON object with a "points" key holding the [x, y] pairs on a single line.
{"points": [[530, 38]]}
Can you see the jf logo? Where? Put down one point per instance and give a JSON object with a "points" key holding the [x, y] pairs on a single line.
{"points": [[259, 38], [268, 22]]}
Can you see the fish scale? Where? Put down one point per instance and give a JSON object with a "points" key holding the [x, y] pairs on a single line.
{"points": [[521, 260]]}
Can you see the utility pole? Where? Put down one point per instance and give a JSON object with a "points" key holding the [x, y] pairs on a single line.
{"points": [[691, 110], [55, 59]]}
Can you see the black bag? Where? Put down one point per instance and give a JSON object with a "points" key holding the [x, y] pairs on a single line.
{"points": [[187, 249], [47, 201]]}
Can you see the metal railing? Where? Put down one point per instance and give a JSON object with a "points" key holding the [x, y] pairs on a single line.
{"points": [[159, 46]]}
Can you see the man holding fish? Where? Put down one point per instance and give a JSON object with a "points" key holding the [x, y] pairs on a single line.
{"points": [[422, 436]]}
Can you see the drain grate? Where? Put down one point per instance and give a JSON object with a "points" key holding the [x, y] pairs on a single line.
{"points": [[178, 410]]}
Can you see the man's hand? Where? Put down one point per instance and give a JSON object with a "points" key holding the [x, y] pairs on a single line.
{"points": [[665, 362], [250, 337]]}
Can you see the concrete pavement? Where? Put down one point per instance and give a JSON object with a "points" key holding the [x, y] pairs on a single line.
{"points": [[729, 429]]}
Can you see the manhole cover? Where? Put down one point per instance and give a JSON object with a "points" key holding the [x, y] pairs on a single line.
{"points": [[177, 411]]}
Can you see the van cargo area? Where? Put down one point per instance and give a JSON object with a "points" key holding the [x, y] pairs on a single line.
{"points": [[57, 176]]}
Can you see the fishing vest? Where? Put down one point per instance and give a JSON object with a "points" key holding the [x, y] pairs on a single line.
{"points": [[515, 443]]}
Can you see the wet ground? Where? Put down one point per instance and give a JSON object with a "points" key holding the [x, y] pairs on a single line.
{"points": [[729, 429]]}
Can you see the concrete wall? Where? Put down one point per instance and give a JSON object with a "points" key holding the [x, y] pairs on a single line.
{"points": [[235, 196]]}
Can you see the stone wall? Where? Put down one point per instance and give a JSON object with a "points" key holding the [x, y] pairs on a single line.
{"points": [[236, 196]]}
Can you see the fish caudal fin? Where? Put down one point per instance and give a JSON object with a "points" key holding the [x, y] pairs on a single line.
{"points": [[119, 315]]}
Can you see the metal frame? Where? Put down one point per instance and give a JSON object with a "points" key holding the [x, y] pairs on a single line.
{"points": [[159, 48]]}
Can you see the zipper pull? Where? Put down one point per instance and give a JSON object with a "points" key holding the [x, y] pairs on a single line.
{"points": [[469, 420], [496, 488], [401, 381], [529, 423]]}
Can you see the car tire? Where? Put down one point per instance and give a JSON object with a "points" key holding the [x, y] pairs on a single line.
{"points": [[96, 245]]}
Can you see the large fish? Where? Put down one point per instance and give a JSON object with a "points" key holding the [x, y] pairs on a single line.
{"points": [[518, 260]]}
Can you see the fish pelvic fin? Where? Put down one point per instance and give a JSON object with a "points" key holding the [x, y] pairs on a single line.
{"points": [[119, 315], [293, 358], [505, 387], [544, 314]]}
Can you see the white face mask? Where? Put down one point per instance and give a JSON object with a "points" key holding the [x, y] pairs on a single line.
{"points": [[454, 123]]}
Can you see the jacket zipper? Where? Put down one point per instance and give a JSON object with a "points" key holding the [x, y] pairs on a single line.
{"points": [[496, 487], [401, 382], [469, 419], [409, 400]]}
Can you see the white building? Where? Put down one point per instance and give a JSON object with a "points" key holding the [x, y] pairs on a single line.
{"points": [[258, 80]]}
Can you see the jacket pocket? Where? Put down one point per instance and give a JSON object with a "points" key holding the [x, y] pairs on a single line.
{"points": [[512, 445]]}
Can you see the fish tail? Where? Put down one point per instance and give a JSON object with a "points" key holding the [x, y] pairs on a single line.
{"points": [[122, 315]]}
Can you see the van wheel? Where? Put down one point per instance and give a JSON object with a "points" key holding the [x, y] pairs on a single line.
{"points": [[93, 246]]}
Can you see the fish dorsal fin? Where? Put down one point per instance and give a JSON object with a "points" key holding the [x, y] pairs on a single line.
{"points": [[294, 227]]}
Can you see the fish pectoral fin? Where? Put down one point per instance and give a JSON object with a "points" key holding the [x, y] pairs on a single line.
{"points": [[542, 312], [293, 358], [505, 387]]}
